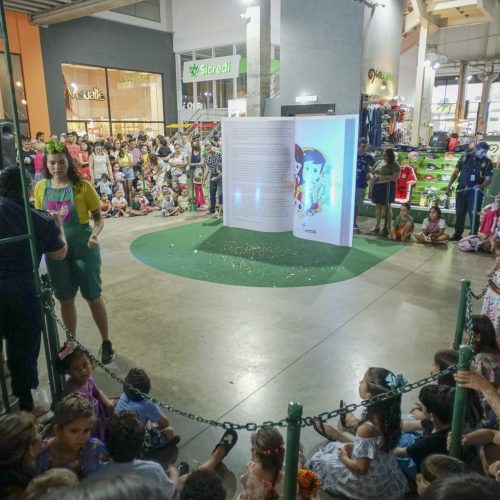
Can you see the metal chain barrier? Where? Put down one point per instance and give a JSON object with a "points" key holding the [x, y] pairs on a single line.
{"points": [[482, 293], [252, 426]]}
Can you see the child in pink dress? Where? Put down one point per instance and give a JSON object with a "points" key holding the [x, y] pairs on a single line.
{"points": [[199, 196], [490, 218], [491, 303], [264, 476], [75, 362]]}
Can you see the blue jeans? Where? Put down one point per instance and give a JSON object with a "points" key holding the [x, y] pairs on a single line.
{"points": [[464, 206], [213, 196]]}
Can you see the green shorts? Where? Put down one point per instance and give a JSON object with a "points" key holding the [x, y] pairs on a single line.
{"points": [[80, 269]]}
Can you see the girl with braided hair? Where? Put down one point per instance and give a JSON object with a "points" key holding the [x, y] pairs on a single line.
{"points": [[263, 479], [364, 466]]}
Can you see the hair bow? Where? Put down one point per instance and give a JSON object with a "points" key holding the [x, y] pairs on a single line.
{"points": [[68, 349], [54, 146], [395, 381]]}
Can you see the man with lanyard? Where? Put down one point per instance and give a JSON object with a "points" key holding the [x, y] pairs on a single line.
{"points": [[20, 314], [363, 166], [212, 160], [474, 171]]}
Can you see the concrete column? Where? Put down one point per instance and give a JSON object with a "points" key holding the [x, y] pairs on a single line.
{"points": [[426, 104], [419, 83], [258, 56], [460, 107], [482, 117]]}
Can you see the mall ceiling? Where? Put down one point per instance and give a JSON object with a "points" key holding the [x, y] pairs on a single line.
{"points": [[445, 14], [46, 12]]}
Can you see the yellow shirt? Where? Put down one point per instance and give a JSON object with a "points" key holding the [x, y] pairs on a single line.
{"points": [[86, 199]]}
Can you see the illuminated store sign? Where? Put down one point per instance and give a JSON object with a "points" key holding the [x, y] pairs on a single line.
{"points": [[87, 95], [217, 68], [379, 74]]}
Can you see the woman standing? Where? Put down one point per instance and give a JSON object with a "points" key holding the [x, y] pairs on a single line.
{"points": [[384, 175], [99, 163], [63, 192], [178, 163], [125, 162]]}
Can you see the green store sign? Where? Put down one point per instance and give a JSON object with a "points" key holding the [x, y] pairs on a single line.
{"points": [[216, 68]]}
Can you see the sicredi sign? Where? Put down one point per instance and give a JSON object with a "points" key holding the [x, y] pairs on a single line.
{"points": [[217, 68]]}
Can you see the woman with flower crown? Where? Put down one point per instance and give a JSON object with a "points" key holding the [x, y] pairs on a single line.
{"points": [[64, 193], [364, 466]]}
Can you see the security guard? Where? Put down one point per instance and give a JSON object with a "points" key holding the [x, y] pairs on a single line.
{"points": [[474, 171], [20, 315]]}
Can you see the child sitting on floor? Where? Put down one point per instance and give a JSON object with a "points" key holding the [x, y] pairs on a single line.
{"points": [[106, 207], [158, 429], [104, 186], [264, 474], [403, 224], [436, 467], [125, 435], [490, 223], [136, 207], [437, 406], [433, 228], [75, 362], [72, 447], [120, 204], [168, 207], [183, 200], [145, 202]]}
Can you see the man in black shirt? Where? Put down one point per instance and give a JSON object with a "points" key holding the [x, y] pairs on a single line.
{"points": [[474, 171], [28, 156], [20, 315]]}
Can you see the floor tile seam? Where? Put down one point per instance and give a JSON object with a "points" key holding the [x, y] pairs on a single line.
{"points": [[312, 348]]}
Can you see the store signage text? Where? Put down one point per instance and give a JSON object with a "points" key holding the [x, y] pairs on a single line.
{"points": [[217, 68], [379, 74], [87, 95], [136, 79]]}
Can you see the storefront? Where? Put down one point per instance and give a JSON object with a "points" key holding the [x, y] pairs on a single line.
{"points": [[108, 101], [221, 78], [27, 67]]}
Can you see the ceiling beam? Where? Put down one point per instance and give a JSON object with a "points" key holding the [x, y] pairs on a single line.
{"points": [[420, 9], [78, 9], [20, 6], [451, 4]]}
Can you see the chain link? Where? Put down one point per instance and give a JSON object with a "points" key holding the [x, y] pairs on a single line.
{"points": [[252, 426]]}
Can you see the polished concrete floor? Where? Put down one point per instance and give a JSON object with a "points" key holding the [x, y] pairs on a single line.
{"points": [[241, 354]]}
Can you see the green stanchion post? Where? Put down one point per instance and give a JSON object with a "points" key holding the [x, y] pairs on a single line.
{"points": [[462, 305], [51, 342], [473, 222], [465, 357], [292, 450], [192, 206]]}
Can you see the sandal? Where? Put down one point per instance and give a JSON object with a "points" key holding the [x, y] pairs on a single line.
{"points": [[227, 441], [319, 427], [183, 468]]}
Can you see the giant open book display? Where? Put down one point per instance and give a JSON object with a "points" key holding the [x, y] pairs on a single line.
{"points": [[291, 174]]}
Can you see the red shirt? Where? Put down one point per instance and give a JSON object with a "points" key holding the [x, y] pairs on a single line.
{"points": [[403, 184], [73, 150]]}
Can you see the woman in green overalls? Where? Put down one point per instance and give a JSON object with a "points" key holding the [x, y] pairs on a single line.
{"points": [[73, 198]]}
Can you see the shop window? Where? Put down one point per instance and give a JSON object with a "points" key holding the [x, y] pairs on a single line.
{"points": [[6, 111], [135, 96], [187, 88], [203, 54], [224, 91], [148, 9], [473, 92], [493, 125], [85, 92], [135, 101], [205, 94], [225, 50], [241, 50], [277, 53]]}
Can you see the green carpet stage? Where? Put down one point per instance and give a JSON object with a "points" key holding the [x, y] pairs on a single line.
{"points": [[209, 251]]}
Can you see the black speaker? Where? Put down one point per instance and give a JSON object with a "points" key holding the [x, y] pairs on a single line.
{"points": [[7, 145]]}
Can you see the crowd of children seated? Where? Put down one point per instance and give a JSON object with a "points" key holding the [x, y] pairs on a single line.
{"points": [[96, 442], [136, 175]]}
